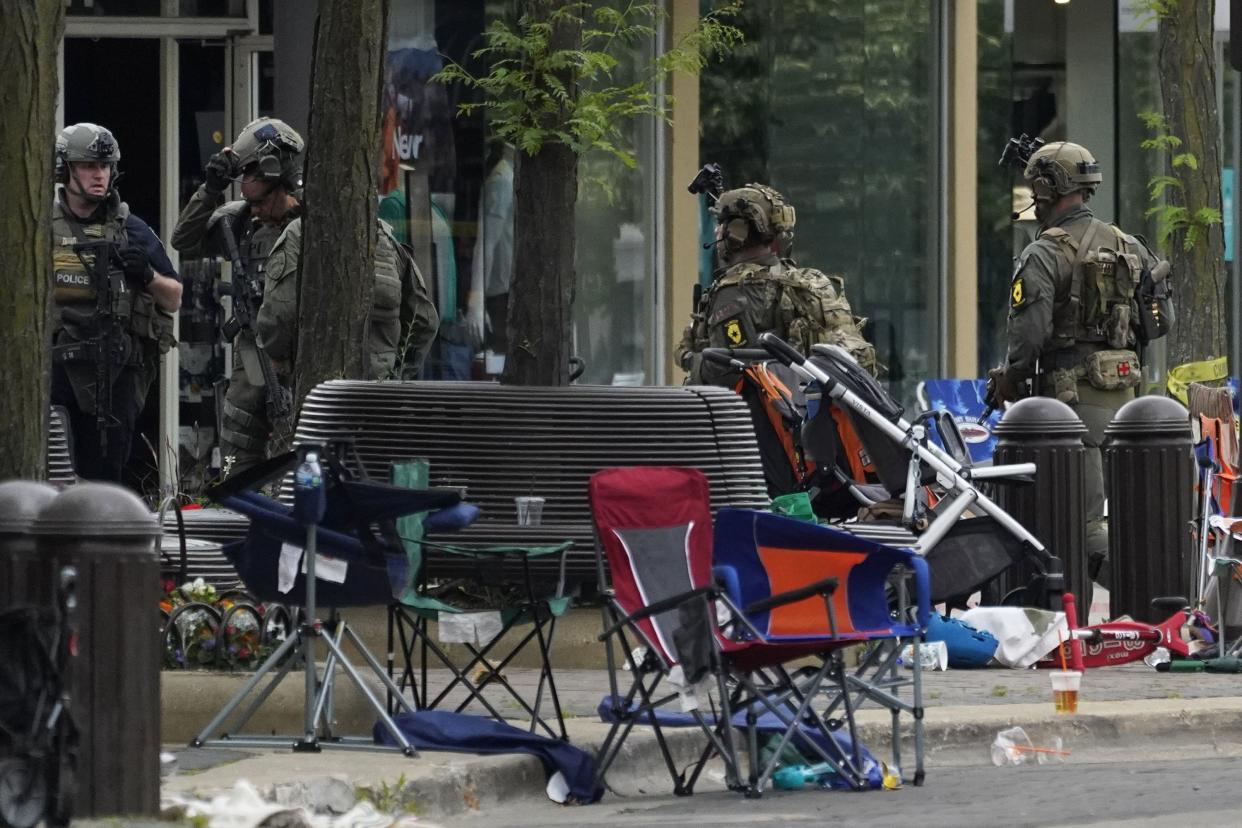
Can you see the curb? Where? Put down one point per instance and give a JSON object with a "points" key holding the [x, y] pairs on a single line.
{"points": [[453, 784]]}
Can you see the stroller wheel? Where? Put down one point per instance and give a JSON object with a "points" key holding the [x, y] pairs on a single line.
{"points": [[23, 794]]}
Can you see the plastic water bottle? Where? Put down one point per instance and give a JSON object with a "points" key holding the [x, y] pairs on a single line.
{"points": [[309, 502]]}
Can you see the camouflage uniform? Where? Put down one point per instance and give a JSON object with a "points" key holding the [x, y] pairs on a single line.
{"points": [[402, 316], [764, 293], [1072, 334], [800, 305], [244, 427]]}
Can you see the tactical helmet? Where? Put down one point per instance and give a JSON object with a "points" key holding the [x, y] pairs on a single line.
{"points": [[85, 142], [276, 149], [1062, 168], [754, 209]]}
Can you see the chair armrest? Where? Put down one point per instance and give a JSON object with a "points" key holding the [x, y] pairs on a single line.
{"points": [[826, 587], [672, 602]]}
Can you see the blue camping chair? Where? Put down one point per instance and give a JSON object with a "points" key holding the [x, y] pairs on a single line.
{"points": [[280, 561]]}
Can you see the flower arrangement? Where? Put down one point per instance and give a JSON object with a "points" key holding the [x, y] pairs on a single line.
{"points": [[205, 629]]}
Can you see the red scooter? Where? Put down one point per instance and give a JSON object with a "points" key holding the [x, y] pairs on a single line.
{"points": [[1184, 633]]}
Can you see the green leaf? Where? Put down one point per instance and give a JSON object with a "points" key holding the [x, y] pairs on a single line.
{"points": [[1158, 184], [1207, 216], [1186, 159]]}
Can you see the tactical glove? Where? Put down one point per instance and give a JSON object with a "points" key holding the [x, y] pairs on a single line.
{"points": [[219, 171], [1001, 388], [137, 267]]}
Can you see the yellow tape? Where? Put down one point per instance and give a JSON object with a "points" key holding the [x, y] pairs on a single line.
{"points": [[1208, 370]]}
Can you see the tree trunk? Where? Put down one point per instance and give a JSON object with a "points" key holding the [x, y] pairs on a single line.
{"points": [[30, 34], [541, 296], [340, 224], [541, 293], [1188, 90]]}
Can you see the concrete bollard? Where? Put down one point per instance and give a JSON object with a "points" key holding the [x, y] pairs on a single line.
{"points": [[1048, 433], [1149, 469], [22, 580], [110, 537]]}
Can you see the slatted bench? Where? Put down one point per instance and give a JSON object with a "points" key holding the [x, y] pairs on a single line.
{"points": [[502, 441]]}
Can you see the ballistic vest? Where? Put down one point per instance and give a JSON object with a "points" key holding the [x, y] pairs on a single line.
{"points": [[1106, 266], [802, 305]]}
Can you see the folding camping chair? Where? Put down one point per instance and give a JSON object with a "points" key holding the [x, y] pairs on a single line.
{"points": [[654, 529], [414, 608], [963, 554], [365, 571]]}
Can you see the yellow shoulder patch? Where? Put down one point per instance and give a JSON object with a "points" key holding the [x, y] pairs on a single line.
{"points": [[1016, 294]]}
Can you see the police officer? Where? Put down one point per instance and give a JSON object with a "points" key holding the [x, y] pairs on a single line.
{"points": [[756, 291], [110, 321], [401, 325], [1072, 320], [267, 156]]}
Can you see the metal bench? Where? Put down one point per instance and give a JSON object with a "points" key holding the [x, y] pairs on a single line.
{"points": [[503, 441]]}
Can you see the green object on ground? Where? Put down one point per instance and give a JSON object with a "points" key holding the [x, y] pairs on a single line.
{"points": [[795, 505]]}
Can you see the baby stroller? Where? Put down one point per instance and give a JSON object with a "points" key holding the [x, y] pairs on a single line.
{"points": [[822, 458], [963, 552], [38, 737]]}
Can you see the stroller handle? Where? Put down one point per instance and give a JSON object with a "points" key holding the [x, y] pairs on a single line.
{"points": [[781, 349], [735, 357]]}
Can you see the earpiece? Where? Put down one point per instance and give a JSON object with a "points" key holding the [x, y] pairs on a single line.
{"points": [[738, 230], [269, 166]]}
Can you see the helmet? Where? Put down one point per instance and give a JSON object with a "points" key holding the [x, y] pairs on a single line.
{"points": [[85, 142], [1062, 168], [754, 210], [275, 147]]}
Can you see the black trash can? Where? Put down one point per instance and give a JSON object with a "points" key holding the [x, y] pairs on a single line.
{"points": [[1150, 473], [110, 536], [22, 582], [1048, 433]]}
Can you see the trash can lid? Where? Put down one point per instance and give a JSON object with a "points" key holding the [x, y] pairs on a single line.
{"points": [[1152, 413], [20, 503], [1040, 415], [98, 509]]}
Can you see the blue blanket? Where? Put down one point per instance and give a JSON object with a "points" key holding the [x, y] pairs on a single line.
{"points": [[462, 733]]}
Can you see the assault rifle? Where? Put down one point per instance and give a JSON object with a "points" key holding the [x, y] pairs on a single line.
{"points": [[709, 180], [105, 347], [245, 291]]}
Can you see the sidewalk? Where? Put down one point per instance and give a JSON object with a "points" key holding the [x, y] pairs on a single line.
{"points": [[1122, 709]]}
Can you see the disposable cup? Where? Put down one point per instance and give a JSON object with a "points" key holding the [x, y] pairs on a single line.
{"points": [[529, 510], [1065, 685]]}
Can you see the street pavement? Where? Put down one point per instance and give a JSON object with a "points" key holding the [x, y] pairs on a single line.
{"points": [[1127, 716]]}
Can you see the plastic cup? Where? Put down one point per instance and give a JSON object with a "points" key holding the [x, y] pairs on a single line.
{"points": [[1065, 685], [529, 510]]}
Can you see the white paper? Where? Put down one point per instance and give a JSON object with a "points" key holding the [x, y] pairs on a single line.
{"points": [[469, 627], [287, 572], [328, 568]]}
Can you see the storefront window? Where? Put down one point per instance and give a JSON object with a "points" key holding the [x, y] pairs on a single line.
{"points": [[999, 239], [447, 186], [832, 102]]}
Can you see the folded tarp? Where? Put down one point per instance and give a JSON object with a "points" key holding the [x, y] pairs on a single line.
{"points": [[462, 733]]}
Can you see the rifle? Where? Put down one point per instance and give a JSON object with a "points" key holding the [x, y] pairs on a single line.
{"points": [[105, 346], [279, 400], [709, 180]]}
